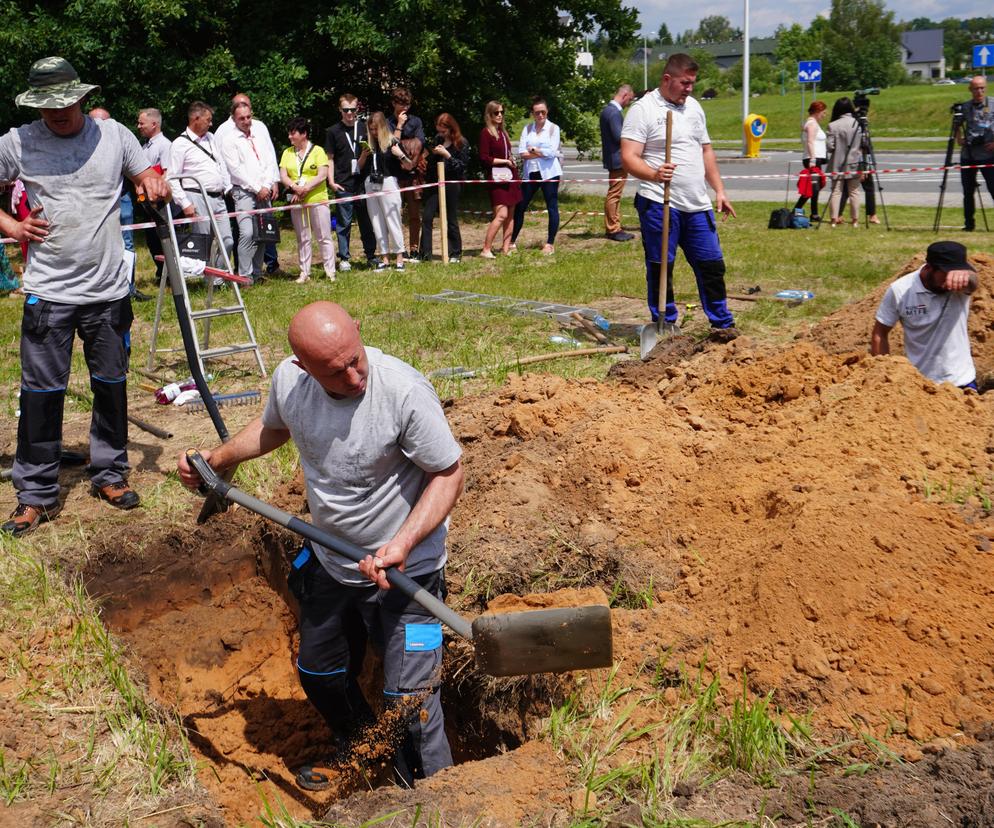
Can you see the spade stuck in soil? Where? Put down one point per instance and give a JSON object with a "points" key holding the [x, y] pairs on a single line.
{"points": [[504, 643]]}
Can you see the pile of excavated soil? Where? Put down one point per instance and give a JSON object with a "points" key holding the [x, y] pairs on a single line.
{"points": [[848, 329], [775, 501]]}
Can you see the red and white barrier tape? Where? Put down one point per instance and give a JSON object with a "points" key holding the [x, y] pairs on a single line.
{"points": [[599, 180]]}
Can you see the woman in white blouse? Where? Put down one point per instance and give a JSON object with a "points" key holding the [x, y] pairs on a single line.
{"points": [[539, 149]]}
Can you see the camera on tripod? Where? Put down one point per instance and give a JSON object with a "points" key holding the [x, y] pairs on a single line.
{"points": [[959, 114]]}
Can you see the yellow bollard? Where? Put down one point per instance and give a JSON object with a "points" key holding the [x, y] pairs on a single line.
{"points": [[754, 127]]}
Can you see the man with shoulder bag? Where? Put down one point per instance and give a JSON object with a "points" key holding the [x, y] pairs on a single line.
{"points": [[976, 138]]}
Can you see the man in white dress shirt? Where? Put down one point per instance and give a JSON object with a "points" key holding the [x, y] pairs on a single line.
{"points": [[264, 143], [254, 178], [196, 153]]}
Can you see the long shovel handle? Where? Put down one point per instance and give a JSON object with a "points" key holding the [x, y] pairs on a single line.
{"points": [[411, 588], [167, 235], [664, 251]]}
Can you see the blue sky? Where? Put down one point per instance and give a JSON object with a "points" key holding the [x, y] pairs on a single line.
{"points": [[766, 15]]}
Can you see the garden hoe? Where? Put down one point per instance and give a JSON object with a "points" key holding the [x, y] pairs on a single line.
{"points": [[505, 644], [649, 334]]}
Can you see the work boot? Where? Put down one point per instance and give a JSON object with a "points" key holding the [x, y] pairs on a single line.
{"points": [[119, 495], [27, 516]]}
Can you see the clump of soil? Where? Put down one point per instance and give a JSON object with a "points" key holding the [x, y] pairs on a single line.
{"points": [[591, 596]]}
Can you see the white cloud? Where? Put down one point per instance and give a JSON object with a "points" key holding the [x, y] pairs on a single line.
{"points": [[766, 15]]}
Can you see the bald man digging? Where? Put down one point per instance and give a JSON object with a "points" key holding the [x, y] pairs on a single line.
{"points": [[383, 471]]}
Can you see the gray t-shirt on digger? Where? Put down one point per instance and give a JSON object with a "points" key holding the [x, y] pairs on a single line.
{"points": [[365, 458], [77, 183]]}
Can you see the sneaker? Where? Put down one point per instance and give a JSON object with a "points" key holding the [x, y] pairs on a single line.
{"points": [[620, 236], [344, 266], [413, 260], [380, 266], [27, 516], [486, 254], [454, 260], [119, 495], [399, 268], [302, 278]]}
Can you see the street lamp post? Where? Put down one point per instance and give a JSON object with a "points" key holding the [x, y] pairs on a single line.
{"points": [[745, 72], [645, 62]]}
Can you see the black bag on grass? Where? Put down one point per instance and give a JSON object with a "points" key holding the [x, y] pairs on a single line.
{"points": [[781, 219]]}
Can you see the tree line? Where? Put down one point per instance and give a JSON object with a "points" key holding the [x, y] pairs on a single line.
{"points": [[454, 55]]}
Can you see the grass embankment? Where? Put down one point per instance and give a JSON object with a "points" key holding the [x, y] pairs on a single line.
{"points": [[897, 112], [111, 756]]}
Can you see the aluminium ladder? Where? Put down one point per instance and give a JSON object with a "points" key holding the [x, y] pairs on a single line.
{"points": [[209, 311]]}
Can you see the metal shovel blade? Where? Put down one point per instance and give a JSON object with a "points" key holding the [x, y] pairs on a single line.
{"points": [[543, 641], [649, 336]]}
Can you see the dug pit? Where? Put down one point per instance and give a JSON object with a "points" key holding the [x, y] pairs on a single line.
{"points": [[206, 616]]}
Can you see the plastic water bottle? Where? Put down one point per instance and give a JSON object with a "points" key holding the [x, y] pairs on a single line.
{"points": [[602, 323], [168, 393]]}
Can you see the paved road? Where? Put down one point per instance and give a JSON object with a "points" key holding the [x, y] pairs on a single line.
{"points": [[909, 189]]}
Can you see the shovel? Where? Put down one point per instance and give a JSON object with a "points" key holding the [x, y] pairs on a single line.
{"points": [[649, 334], [505, 644]]}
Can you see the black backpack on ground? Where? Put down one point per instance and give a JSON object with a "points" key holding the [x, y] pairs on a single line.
{"points": [[781, 219]]}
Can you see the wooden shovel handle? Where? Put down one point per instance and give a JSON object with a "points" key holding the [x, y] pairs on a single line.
{"points": [[665, 241]]}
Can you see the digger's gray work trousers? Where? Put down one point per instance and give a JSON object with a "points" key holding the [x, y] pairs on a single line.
{"points": [[48, 330]]}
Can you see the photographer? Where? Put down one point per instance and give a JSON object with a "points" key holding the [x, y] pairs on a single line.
{"points": [[975, 134], [843, 145], [451, 148]]}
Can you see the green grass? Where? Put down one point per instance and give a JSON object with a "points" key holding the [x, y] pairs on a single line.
{"points": [[897, 112]]}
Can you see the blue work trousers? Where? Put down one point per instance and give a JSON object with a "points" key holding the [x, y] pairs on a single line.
{"points": [[697, 235]]}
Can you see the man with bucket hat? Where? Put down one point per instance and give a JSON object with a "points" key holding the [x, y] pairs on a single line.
{"points": [[932, 304], [76, 281]]}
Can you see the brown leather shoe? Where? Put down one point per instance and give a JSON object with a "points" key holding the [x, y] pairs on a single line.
{"points": [[119, 495], [27, 516]]}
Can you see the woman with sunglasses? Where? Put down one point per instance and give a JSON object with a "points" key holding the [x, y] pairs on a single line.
{"points": [[502, 172], [452, 149], [539, 149]]}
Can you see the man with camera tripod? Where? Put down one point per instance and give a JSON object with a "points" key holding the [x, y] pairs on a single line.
{"points": [[975, 135]]}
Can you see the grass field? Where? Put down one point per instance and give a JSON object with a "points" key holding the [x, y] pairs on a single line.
{"points": [[131, 755]]}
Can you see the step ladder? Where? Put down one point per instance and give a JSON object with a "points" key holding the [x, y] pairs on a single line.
{"points": [[209, 310]]}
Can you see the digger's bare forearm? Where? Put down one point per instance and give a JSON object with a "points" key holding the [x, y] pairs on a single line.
{"points": [[252, 441]]}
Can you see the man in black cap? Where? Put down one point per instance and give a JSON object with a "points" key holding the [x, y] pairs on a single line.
{"points": [[76, 280], [932, 304]]}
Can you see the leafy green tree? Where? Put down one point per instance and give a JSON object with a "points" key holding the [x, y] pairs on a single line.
{"points": [[861, 45], [455, 55], [664, 38], [764, 77], [716, 28]]}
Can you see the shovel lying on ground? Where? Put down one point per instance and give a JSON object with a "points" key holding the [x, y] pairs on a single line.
{"points": [[505, 644], [649, 334]]}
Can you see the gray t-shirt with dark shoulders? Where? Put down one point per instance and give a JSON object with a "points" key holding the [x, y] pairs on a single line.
{"points": [[365, 459], [77, 183]]}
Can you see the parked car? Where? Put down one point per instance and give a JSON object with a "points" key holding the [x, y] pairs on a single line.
{"points": [[963, 80], [944, 82]]}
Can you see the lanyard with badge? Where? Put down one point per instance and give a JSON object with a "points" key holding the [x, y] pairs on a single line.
{"points": [[352, 140]]}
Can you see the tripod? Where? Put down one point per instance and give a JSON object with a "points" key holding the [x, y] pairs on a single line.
{"points": [[871, 158], [956, 125]]}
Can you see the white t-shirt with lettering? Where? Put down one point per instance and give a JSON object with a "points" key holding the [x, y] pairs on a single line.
{"points": [[936, 340], [646, 123], [365, 458]]}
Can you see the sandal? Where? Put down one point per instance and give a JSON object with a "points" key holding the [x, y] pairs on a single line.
{"points": [[312, 780]]}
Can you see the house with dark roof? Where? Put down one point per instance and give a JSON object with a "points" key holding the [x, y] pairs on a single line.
{"points": [[726, 55], [922, 54]]}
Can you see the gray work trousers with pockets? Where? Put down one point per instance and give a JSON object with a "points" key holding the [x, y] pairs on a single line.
{"points": [[249, 250], [48, 330]]}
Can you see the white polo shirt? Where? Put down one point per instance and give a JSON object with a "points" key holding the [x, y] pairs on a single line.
{"points": [[936, 340], [646, 123]]}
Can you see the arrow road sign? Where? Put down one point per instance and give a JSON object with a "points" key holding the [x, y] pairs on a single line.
{"points": [[809, 71], [983, 56]]}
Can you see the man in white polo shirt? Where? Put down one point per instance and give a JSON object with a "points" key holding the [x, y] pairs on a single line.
{"points": [[693, 167], [932, 304]]}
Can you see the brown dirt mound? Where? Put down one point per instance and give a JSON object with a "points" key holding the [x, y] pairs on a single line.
{"points": [[775, 499], [848, 329]]}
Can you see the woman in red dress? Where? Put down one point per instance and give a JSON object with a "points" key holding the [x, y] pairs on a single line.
{"points": [[502, 172]]}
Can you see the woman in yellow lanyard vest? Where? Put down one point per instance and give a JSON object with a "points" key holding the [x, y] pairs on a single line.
{"points": [[304, 173]]}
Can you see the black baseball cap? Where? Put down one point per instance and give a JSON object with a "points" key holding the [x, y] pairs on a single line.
{"points": [[947, 255]]}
